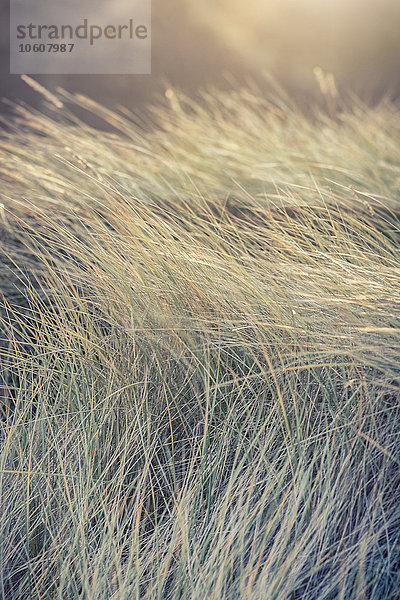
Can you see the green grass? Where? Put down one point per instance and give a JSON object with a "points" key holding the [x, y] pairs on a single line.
{"points": [[200, 352]]}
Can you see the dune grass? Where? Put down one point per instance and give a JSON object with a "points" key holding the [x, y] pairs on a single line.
{"points": [[200, 352]]}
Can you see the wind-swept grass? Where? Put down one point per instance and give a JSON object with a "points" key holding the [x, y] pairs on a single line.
{"points": [[200, 352]]}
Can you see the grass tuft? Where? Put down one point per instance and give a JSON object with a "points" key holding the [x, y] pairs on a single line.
{"points": [[200, 341]]}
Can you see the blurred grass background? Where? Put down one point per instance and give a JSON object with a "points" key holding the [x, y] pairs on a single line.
{"points": [[196, 44]]}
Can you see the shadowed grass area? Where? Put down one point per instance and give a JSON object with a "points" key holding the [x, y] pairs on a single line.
{"points": [[200, 352]]}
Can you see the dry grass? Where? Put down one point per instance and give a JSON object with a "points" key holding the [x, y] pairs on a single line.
{"points": [[200, 353]]}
